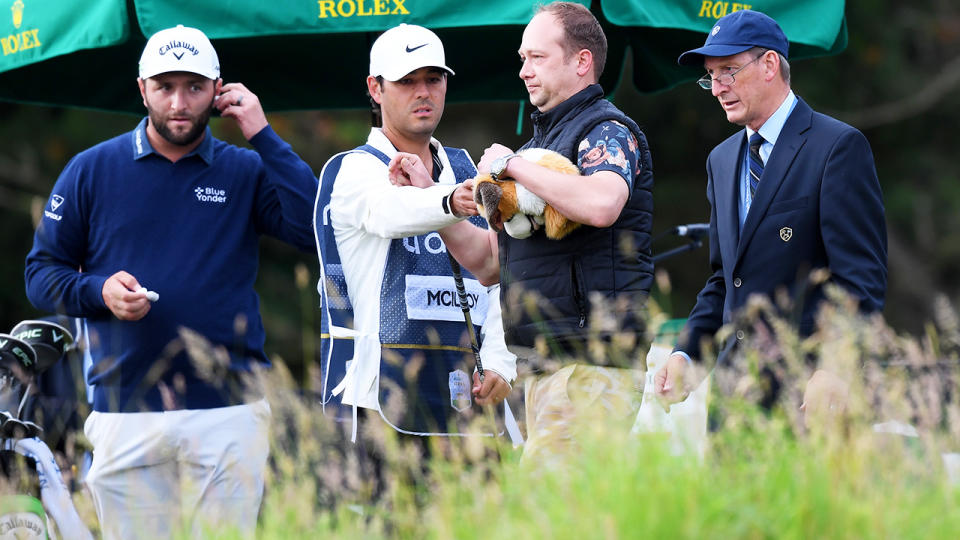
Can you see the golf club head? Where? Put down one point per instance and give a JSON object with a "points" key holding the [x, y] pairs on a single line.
{"points": [[50, 340], [13, 428], [17, 363]]}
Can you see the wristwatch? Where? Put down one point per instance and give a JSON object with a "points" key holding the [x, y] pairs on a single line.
{"points": [[500, 164]]}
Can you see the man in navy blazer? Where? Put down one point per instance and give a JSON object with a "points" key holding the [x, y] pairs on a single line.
{"points": [[794, 192]]}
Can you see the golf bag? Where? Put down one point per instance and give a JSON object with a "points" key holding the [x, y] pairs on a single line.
{"points": [[31, 348]]}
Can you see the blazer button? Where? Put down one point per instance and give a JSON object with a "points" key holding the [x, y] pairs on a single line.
{"points": [[737, 282], [740, 335]]}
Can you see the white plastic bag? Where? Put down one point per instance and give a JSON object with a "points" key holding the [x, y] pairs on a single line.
{"points": [[686, 423]]}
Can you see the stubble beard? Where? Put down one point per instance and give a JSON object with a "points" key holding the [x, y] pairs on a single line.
{"points": [[186, 138]]}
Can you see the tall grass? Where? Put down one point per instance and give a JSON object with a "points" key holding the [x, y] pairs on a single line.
{"points": [[767, 473], [759, 480]]}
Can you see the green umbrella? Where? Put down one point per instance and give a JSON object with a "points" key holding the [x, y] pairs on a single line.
{"points": [[310, 54], [657, 31]]}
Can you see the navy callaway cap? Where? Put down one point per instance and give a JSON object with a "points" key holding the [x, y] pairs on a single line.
{"points": [[738, 32]]}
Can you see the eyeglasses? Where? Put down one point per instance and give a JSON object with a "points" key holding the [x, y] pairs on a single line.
{"points": [[726, 79]]}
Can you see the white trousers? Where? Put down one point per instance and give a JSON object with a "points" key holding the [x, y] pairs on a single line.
{"points": [[157, 474]]}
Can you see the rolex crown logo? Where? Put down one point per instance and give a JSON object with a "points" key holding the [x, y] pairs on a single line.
{"points": [[17, 9]]}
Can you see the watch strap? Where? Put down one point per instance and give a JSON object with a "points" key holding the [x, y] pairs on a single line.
{"points": [[504, 159]]}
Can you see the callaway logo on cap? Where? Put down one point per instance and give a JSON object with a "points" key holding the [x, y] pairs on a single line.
{"points": [[179, 49], [403, 49]]}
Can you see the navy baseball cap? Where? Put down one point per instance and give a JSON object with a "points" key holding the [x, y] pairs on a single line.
{"points": [[738, 32]]}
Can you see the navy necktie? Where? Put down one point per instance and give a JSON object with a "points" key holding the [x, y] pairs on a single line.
{"points": [[756, 163]]}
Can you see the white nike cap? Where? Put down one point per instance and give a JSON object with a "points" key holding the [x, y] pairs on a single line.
{"points": [[403, 49], [179, 49]]}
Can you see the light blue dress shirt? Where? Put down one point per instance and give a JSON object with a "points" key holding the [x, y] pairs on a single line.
{"points": [[770, 131]]}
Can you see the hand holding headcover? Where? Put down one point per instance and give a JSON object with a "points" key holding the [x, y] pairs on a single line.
{"points": [[520, 211]]}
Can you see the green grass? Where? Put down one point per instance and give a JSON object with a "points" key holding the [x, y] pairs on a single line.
{"points": [[765, 474], [758, 480]]}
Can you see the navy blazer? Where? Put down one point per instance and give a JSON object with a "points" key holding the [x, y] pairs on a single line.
{"points": [[818, 205]]}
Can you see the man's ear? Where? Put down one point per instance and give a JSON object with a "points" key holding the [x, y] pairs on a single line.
{"points": [[584, 62], [143, 90], [373, 87], [771, 65], [217, 86]]}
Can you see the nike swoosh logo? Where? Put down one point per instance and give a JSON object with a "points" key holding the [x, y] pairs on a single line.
{"points": [[411, 49], [179, 56]]}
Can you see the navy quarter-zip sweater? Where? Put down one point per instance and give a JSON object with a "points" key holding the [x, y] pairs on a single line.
{"points": [[188, 230]]}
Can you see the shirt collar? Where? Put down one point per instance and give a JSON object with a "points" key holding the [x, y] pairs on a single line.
{"points": [[380, 141], [544, 121], [142, 148], [770, 130]]}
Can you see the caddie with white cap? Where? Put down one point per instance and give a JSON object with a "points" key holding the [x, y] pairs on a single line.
{"points": [[381, 212], [164, 222]]}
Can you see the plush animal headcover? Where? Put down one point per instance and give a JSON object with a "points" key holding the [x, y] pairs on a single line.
{"points": [[521, 211]]}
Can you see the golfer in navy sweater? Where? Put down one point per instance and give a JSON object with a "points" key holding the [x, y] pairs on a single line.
{"points": [[153, 235]]}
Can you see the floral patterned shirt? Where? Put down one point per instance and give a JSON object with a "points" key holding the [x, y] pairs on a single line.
{"points": [[610, 146]]}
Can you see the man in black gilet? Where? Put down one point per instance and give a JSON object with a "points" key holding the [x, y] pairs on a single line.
{"points": [[551, 287]]}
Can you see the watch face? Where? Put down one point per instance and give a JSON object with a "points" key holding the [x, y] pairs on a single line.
{"points": [[498, 166]]}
